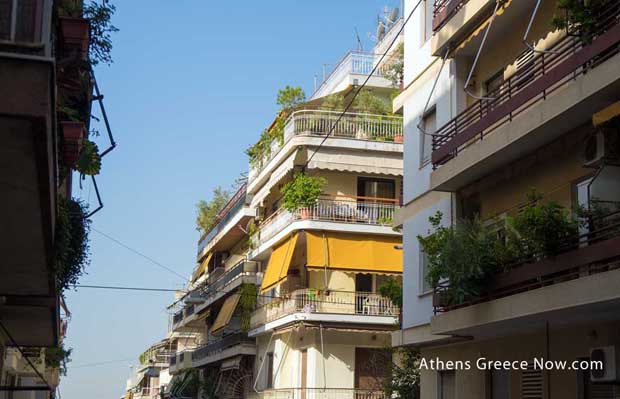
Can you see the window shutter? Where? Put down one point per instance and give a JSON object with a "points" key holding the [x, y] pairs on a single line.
{"points": [[531, 383]]}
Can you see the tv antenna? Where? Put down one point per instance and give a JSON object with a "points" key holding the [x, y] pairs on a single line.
{"points": [[360, 45]]}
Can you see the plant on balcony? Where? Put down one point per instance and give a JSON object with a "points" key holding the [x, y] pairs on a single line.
{"points": [[333, 102], [405, 374], [253, 233], [370, 103], [247, 304], [207, 211], [384, 220], [392, 289], [71, 244], [578, 17], [89, 161], [58, 357], [290, 96], [395, 67], [302, 193]]}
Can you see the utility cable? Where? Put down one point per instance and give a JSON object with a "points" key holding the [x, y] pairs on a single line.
{"points": [[127, 247], [430, 95], [529, 28], [109, 287], [359, 89]]}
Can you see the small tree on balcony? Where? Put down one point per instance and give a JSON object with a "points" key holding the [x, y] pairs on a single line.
{"points": [[579, 17], [207, 211], [302, 192], [404, 382], [289, 97]]}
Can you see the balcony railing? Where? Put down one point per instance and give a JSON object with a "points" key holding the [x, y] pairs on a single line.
{"points": [[596, 251], [317, 301], [444, 10], [211, 349], [359, 210], [353, 63], [243, 268], [531, 84], [352, 125], [232, 207], [149, 392], [178, 316], [319, 393]]}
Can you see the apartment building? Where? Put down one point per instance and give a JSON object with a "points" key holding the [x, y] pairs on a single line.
{"points": [[38, 156], [321, 327], [151, 377], [209, 322], [501, 98]]}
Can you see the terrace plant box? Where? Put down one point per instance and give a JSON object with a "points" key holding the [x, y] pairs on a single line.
{"points": [[74, 36], [73, 133]]}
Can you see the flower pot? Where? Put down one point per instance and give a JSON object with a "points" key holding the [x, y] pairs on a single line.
{"points": [[72, 133], [305, 213], [398, 138], [74, 36]]}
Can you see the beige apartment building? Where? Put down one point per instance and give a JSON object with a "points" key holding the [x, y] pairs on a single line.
{"points": [[500, 100]]}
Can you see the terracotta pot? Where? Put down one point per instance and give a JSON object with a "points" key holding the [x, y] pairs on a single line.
{"points": [[72, 133], [305, 213], [74, 36], [398, 138]]}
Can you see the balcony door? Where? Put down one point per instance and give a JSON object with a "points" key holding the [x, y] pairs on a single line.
{"points": [[371, 368], [373, 193], [363, 283]]}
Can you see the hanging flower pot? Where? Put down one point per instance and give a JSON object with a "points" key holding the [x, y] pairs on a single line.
{"points": [[73, 134], [305, 213], [398, 138], [74, 36]]}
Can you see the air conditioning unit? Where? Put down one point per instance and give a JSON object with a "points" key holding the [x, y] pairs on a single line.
{"points": [[608, 356], [194, 298], [602, 147]]}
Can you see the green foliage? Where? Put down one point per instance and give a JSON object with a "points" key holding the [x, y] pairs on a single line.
{"points": [[253, 232], [89, 161], [405, 375], [392, 289], [465, 254], [579, 17], [302, 192], [333, 102], [58, 357], [368, 102], [71, 245], [543, 227], [207, 211], [395, 69], [247, 303], [384, 220], [100, 45], [290, 96]]}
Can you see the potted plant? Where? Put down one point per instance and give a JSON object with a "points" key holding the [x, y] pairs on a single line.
{"points": [[301, 194], [73, 134], [398, 138], [74, 36]]}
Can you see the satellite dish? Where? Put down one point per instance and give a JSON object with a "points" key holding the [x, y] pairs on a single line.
{"points": [[380, 31]]}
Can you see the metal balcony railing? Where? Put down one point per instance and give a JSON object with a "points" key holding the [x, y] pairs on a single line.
{"points": [[444, 10], [593, 252], [343, 209], [243, 268], [352, 125], [310, 300], [234, 205], [543, 74], [319, 393], [178, 316], [213, 348]]}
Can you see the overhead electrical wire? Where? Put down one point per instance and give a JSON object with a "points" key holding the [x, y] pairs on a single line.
{"points": [[359, 89]]}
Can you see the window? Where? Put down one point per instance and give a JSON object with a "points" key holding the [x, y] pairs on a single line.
{"points": [[446, 385], [532, 382], [499, 384], [376, 188], [429, 8], [429, 124], [425, 286], [269, 370], [493, 89]]}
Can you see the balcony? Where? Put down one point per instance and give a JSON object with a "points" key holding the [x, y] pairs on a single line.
{"points": [[319, 393], [26, 28], [351, 70], [223, 234], [545, 95], [360, 211], [316, 305], [229, 346], [444, 10], [147, 393], [318, 123]]}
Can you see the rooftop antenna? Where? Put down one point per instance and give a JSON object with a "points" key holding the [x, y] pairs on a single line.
{"points": [[360, 45], [380, 29], [315, 81], [393, 17]]}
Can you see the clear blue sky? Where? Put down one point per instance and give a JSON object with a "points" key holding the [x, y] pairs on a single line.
{"points": [[192, 86]]}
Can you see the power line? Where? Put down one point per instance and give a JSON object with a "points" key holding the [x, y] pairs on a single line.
{"points": [[115, 287], [127, 247], [99, 363], [359, 89]]}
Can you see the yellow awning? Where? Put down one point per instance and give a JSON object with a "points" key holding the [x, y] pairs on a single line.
{"points": [[606, 114], [226, 312], [354, 252], [202, 268], [279, 263]]}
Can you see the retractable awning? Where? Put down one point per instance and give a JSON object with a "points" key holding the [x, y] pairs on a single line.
{"points": [[279, 263], [203, 267], [226, 312], [354, 252]]}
